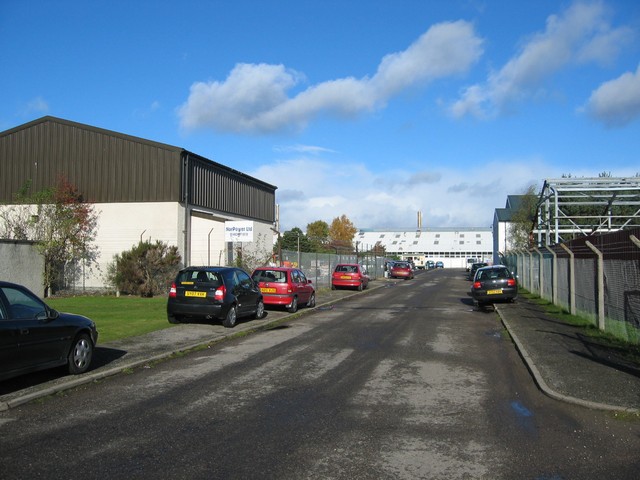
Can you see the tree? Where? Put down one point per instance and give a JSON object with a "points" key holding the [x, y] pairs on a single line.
{"points": [[341, 232], [318, 235], [146, 270], [63, 225], [522, 220], [294, 237]]}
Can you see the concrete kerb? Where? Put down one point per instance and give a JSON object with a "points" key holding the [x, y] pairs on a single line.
{"points": [[542, 384], [76, 381]]}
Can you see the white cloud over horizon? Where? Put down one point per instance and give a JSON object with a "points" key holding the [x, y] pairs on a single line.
{"points": [[391, 199], [254, 97], [581, 34]]}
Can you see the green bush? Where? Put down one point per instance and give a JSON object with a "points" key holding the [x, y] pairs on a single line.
{"points": [[146, 270]]}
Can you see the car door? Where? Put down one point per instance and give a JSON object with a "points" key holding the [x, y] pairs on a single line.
{"points": [[9, 361], [302, 286], [40, 339], [246, 292]]}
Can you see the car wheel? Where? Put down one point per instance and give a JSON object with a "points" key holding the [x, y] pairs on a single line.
{"points": [[312, 301], [173, 319], [333, 287], [80, 355], [259, 310], [231, 318], [360, 287], [294, 305]]}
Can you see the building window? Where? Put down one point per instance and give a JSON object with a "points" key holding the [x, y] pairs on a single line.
{"points": [[436, 242], [461, 242], [478, 242]]}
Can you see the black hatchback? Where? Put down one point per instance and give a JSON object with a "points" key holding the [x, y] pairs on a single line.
{"points": [[220, 293], [494, 284], [34, 336]]}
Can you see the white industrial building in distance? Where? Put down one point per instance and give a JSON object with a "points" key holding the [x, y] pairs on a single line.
{"points": [[452, 246]]}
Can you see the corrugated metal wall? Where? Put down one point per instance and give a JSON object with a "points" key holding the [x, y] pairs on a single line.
{"points": [[105, 166], [110, 167], [228, 191]]}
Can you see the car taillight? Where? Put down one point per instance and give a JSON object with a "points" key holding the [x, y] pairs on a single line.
{"points": [[511, 282], [173, 291], [477, 285], [220, 293]]}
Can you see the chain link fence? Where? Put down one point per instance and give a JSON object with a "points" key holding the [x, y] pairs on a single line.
{"points": [[595, 277], [318, 267]]}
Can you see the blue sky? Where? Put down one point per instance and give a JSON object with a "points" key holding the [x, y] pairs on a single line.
{"points": [[374, 109]]}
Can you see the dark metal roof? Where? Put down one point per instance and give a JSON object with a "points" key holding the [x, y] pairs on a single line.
{"points": [[112, 167]]}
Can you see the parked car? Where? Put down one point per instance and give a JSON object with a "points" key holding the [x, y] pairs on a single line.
{"points": [[349, 275], [34, 336], [214, 293], [474, 269], [430, 264], [285, 286], [401, 270], [493, 284], [439, 264]]}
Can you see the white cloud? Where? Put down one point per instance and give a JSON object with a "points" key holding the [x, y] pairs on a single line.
{"points": [[616, 102], [253, 98], [37, 105], [447, 197], [311, 149], [581, 34]]}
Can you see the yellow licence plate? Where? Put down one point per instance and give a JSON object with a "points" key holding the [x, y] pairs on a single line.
{"points": [[189, 293], [267, 290], [345, 277], [494, 292]]}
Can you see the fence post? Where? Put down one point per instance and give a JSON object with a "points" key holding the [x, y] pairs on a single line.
{"points": [[541, 272], [601, 324], [572, 280], [554, 276]]}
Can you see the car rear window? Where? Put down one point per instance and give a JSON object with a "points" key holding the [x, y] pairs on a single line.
{"points": [[189, 277], [347, 268], [277, 276]]}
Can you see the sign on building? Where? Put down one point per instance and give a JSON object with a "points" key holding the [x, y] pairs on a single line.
{"points": [[241, 231]]}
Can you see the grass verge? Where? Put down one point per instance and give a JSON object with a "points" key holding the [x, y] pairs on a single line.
{"points": [[117, 317]]}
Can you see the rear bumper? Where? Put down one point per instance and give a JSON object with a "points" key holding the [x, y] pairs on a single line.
{"points": [[506, 295], [199, 311], [347, 283], [283, 300]]}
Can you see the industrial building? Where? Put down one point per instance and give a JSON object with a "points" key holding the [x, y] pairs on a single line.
{"points": [[141, 190], [452, 246]]}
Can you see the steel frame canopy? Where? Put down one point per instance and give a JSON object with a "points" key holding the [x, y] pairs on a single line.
{"points": [[571, 207]]}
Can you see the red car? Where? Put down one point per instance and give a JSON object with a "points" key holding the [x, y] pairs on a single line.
{"points": [[349, 275], [401, 270], [285, 286]]}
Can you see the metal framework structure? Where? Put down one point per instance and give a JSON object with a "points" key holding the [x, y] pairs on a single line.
{"points": [[573, 207]]}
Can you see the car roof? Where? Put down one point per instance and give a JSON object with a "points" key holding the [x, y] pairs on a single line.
{"points": [[349, 264], [280, 269], [10, 284], [491, 267], [209, 268]]}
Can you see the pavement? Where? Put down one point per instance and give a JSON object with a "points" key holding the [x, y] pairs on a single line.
{"points": [[565, 363]]}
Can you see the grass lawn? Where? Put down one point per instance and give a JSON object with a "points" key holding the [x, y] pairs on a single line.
{"points": [[117, 317]]}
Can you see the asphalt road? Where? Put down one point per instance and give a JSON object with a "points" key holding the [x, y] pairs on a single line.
{"points": [[406, 382]]}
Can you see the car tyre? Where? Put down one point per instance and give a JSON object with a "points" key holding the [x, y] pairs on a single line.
{"points": [[294, 305], [79, 357], [333, 287], [259, 310], [231, 318], [312, 301], [360, 287], [173, 319]]}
